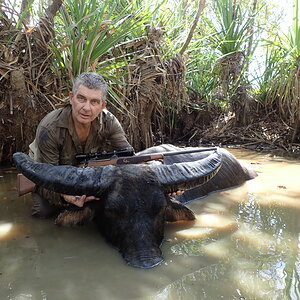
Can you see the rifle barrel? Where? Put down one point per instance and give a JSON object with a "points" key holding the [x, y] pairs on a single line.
{"points": [[188, 151]]}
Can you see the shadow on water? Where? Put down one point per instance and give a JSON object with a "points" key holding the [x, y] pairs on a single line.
{"points": [[244, 244]]}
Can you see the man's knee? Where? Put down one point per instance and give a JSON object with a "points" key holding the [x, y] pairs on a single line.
{"points": [[41, 208]]}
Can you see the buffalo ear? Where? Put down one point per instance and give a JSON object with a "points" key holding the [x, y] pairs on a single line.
{"points": [[175, 211]]}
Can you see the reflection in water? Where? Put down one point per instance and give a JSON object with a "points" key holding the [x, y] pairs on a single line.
{"points": [[5, 228], [244, 244]]}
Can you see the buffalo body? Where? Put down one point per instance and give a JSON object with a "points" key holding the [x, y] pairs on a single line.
{"points": [[134, 203]]}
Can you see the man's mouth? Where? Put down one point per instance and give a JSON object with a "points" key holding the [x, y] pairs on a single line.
{"points": [[85, 116]]}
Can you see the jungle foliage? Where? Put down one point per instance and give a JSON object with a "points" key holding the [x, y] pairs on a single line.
{"points": [[177, 70]]}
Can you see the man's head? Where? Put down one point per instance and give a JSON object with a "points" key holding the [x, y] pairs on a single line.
{"points": [[92, 81], [88, 97]]}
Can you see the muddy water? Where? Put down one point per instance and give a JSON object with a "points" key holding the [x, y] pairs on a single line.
{"points": [[245, 244]]}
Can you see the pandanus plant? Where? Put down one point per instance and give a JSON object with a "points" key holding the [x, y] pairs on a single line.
{"points": [[284, 84]]}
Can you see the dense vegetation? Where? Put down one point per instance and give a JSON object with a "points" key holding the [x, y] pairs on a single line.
{"points": [[179, 71]]}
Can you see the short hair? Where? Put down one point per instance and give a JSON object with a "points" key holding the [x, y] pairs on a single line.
{"points": [[90, 80]]}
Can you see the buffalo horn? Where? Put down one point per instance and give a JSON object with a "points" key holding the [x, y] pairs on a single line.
{"points": [[64, 179], [186, 175]]}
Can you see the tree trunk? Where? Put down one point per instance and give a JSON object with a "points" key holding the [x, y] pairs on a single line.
{"points": [[25, 10], [52, 9], [250, 43], [45, 31]]}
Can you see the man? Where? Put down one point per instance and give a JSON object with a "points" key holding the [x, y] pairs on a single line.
{"points": [[83, 126]]}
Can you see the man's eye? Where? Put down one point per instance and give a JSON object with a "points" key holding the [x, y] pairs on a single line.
{"points": [[81, 99], [95, 102]]}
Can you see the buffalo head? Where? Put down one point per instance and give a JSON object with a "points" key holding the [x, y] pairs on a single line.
{"points": [[134, 201]]}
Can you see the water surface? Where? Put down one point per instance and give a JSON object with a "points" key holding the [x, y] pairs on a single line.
{"points": [[244, 245]]}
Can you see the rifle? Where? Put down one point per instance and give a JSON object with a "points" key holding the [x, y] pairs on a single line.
{"points": [[116, 157], [85, 158]]}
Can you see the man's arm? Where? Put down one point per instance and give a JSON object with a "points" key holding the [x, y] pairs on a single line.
{"points": [[117, 136], [47, 151]]}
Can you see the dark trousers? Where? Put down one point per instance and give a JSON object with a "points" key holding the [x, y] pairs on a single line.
{"points": [[41, 208]]}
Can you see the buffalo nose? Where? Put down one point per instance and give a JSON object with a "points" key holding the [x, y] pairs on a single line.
{"points": [[143, 260], [146, 264]]}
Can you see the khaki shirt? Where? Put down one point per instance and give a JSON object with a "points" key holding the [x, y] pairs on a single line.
{"points": [[56, 141]]}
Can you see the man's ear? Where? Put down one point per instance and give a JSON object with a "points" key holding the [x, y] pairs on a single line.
{"points": [[104, 103], [71, 97], [175, 211]]}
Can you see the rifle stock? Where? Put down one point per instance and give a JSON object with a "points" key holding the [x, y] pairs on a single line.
{"points": [[25, 185]]}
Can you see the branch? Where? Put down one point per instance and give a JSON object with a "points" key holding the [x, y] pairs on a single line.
{"points": [[52, 9], [190, 35]]}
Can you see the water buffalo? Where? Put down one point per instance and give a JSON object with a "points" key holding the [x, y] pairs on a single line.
{"points": [[135, 201]]}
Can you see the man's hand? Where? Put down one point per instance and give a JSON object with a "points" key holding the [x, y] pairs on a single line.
{"points": [[78, 200], [178, 193]]}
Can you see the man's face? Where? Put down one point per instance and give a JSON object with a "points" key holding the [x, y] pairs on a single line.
{"points": [[86, 104]]}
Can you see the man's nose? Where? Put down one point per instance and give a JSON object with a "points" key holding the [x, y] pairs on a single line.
{"points": [[87, 105]]}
